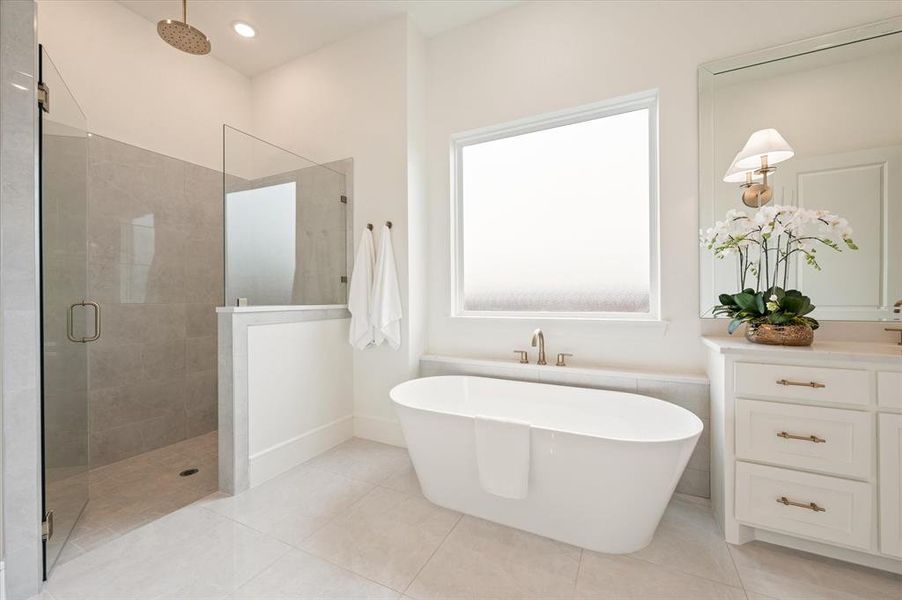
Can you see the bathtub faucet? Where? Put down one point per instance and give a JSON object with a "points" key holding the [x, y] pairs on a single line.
{"points": [[538, 339]]}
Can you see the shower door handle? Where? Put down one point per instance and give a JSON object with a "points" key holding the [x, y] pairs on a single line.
{"points": [[70, 322], [96, 308]]}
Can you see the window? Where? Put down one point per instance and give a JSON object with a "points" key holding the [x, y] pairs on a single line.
{"points": [[556, 216]]}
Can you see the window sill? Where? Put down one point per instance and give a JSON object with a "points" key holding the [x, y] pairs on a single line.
{"points": [[651, 323]]}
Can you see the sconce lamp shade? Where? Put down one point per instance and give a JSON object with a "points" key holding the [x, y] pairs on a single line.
{"points": [[736, 175], [763, 143]]}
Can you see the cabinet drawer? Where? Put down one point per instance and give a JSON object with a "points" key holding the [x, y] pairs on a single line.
{"points": [[844, 508], [841, 386], [830, 440], [889, 389]]}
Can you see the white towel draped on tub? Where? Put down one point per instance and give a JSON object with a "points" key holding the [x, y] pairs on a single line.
{"points": [[360, 294], [386, 311], [502, 456]]}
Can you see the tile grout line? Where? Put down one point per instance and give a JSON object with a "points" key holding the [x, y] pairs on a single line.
{"points": [[738, 572], [673, 569], [579, 568], [263, 569], [460, 517], [304, 550], [679, 570]]}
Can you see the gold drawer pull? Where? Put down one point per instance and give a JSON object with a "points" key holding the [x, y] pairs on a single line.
{"points": [[812, 384], [808, 438], [810, 506]]}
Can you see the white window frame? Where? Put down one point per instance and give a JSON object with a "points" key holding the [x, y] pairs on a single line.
{"points": [[643, 100]]}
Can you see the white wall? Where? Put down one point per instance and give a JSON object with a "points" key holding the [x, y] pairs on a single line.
{"points": [[300, 399], [135, 88], [350, 99], [547, 56]]}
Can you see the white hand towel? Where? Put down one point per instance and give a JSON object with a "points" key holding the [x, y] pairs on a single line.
{"points": [[360, 295], [502, 456], [386, 311]]}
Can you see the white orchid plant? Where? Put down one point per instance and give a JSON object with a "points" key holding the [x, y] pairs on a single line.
{"points": [[765, 243]]}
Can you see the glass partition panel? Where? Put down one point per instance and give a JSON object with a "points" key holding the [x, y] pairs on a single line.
{"points": [[286, 233], [69, 321]]}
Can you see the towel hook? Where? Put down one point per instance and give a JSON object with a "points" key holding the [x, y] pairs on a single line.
{"points": [[369, 226], [388, 224]]}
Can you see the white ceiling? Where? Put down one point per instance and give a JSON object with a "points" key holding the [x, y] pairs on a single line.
{"points": [[287, 29]]}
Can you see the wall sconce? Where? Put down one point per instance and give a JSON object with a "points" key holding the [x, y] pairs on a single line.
{"points": [[765, 148]]}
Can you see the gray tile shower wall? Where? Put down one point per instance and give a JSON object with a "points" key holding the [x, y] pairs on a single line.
{"points": [[155, 265]]}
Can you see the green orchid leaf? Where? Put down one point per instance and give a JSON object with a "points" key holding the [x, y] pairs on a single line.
{"points": [[745, 300], [794, 303], [734, 325], [778, 318]]}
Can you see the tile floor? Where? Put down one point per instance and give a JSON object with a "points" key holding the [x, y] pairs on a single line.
{"points": [[133, 492], [352, 524]]}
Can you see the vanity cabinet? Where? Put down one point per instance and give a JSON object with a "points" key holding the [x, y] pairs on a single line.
{"points": [[806, 447], [890, 478]]}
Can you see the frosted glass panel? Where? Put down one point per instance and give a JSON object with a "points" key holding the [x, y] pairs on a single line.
{"points": [[262, 243], [557, 220]]}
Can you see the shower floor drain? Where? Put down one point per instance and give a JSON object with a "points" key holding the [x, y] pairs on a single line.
{"points": [[188, 472]]}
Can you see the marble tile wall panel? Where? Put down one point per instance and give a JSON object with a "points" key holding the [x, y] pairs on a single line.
{"points": [[691, 395], [155, 264], [19, 314]]}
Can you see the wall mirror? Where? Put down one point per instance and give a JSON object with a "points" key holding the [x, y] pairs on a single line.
{"points": [[814, 125]]}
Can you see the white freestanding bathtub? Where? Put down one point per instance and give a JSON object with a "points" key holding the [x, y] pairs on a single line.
{"points": [[602, 465]]}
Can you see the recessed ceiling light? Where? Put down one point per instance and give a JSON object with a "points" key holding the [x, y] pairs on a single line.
{"points": [[243, 29]]}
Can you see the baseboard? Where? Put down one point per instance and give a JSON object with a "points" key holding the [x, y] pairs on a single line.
{"points": [[290, 453], [379, 429]]}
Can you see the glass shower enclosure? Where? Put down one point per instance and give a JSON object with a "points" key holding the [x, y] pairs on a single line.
{"points": [[286, 225], [70, 321]]}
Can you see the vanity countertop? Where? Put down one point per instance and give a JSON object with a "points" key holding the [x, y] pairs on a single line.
{"points": [[293, 308], [865, 351]]}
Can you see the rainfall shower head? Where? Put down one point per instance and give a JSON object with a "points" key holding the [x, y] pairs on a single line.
{"points": [[179, 34]]}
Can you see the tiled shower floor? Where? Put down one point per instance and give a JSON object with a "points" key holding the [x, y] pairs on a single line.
{"points": [[353, 524], [132, 492]]}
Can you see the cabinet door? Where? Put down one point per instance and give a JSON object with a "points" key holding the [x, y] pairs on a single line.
{"points": [[891, 484]]}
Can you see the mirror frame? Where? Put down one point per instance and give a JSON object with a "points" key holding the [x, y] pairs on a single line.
{"points": [[707, 176]]}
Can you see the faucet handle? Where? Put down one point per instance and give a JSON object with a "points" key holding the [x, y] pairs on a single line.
{"points": [[562, 359], [523, 355]]}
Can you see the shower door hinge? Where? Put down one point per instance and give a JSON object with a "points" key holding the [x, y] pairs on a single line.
{"points": [[343, 278], [343, 199], [44, 96], [47, 526]]}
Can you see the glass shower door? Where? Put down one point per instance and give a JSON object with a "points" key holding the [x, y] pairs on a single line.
{"points": [[69, 321]]}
